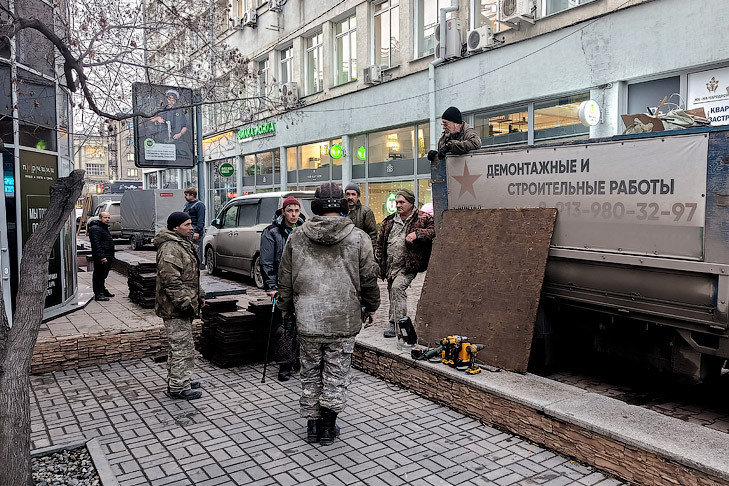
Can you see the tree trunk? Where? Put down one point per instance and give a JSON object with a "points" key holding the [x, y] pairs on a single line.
{"points": [[16, 343]]}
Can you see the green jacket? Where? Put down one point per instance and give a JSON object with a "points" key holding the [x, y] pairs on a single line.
{"points": [[178, 277], [364, 219]]}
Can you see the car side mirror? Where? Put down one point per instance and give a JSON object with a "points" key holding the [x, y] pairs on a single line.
{"points": [[216, 222]]}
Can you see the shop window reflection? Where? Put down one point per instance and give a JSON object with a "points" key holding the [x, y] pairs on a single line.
{"points": [[359, 156], [558, 118], [391, 152], [509, 127]]}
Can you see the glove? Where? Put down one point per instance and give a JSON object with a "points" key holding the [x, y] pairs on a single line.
{"points": [[443, 151], [289, 320], [432, 155]]}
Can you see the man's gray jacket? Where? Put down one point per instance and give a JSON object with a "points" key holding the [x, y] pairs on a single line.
{"points": [[327, 272]]}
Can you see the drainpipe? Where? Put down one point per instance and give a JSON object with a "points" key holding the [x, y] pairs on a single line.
{"points": [[437, 171]]}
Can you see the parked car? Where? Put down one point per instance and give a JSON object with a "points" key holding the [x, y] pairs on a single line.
{"points": [[111, 207], [233, 241]]}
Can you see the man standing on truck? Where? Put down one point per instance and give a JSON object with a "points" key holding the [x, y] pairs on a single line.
{"points": [[273, 240], [458, 136], [327, 275], [102, 252], [179, 300], [196, 209], [361, 215], [403, 249]]}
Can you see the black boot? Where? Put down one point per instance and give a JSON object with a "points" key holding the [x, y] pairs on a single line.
{"points": [[313, 428], [329, 429], [390, 331], [284, 372]]}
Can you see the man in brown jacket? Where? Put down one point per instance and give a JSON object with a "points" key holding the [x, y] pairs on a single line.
{"points": [[403, 249], [458, 137], [179, 299]]}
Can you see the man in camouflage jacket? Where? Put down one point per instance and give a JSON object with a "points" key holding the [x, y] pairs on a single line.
{"points": [[179, 299], [458, 137], [403, 249]]}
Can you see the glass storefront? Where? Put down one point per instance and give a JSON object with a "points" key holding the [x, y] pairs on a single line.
{"points": [[558, 118], [390, 152], [316, 162], [359, 156], [502, 128], [222, 189], [382, 197]]}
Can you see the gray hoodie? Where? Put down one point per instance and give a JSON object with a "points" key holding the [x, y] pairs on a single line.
{"points": [[327, 272]]}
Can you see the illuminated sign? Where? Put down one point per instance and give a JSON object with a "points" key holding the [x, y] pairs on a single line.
{"points": [[336, 151], [226, 169], [361, 153], [263, 129], [390, 205]]}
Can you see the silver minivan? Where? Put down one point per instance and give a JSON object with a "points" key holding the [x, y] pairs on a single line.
{"points": [[233, 240]]}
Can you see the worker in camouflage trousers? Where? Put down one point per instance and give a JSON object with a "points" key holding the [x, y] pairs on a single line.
{"points": [[329, 276], [179, 299]]}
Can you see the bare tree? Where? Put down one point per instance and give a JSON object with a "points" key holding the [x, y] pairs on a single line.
{"points": [[16, 343]]}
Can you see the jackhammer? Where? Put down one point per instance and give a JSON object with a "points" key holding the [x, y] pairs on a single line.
{"points": [[455, 351]]}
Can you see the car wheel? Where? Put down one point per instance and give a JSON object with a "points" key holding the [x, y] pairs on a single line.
{"points": [[210, 261], [134, 242], [256, 273]]}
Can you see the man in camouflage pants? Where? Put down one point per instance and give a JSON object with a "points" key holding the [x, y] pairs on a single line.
{"points": [[178, 300], [327, 273]]}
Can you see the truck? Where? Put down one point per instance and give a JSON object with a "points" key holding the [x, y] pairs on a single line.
{"points": [[144, 213], [640, 243]]}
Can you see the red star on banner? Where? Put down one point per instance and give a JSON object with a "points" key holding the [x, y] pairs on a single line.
{"points": [[466, 181]]}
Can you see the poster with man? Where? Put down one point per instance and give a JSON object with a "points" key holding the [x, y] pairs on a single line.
{"points": [[164, 135]]}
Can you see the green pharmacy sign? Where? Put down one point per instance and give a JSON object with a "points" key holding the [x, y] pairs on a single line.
{"points": [[361, 153], [226, 169], [262, 129], [390, 205], [336, 151]]}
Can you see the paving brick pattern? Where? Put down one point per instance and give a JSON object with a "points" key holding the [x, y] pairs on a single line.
{"points": [[245, 432]]}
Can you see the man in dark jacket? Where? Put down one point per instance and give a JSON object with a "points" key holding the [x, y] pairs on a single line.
{"points": [[179, 298], [102, 252], [403, 250], [196, 209], [273, 240], [458, 137], [327, 274], [362, 216]]}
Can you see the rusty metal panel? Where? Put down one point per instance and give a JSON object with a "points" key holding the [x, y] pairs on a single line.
{"points": [[484, 281]]}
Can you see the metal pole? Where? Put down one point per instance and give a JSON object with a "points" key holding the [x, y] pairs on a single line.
{"points": [[197, 97]]}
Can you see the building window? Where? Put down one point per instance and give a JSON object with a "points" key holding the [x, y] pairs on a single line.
{"points": [[558, 118], [386, 31], [486, 13], [94, 152], [287, 65], [359, 156], [263, 78], [650, 93], [314, 71], [507, 127], [249, 170], [427, 20], [130, 142], [390, 152], [382, 197], [132, 172], [315, 161], [554, 6], [345, 47], [423, 148], [130, 157], [95, 169]]}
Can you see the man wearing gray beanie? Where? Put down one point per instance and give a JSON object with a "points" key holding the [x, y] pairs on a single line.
{"points": [[458, 136], [361, 215]]}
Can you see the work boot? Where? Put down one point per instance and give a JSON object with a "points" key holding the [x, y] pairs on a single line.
{"points": [[284, 373], [329, 429], [313, 428], [107, 293], [101, 298], [390, 331], [185, 394]]}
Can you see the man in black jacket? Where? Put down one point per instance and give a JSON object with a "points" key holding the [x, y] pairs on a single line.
{"points": [[273, 240], [102, 251]]}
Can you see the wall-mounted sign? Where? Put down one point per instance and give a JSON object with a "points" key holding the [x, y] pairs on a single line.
{"points": [[336, 151], [390, 205], [589, 113], [361, 153], [262, 129], [710, 90], [226, 169]]}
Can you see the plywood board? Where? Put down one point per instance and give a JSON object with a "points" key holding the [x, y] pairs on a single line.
{"points": [[484, 281]]}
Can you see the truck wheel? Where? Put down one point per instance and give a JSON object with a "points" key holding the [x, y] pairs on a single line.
{"points": [[256, 273], [134, 242], [210, 261]]}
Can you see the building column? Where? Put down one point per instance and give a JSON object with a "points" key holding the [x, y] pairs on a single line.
{"points": [[346, 160], [608, 98], [284, 168]]}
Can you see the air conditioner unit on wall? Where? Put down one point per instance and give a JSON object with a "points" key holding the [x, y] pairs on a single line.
{"points": [[480, 38], [372, 74], [453, 39], [249, 17], [235, 23], [512, 10], [289, 94]]}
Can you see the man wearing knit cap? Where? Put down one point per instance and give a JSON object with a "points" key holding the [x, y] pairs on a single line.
{"points": [[273, 240], [458, 137], [179, 299], [327, 275], [361, 215], [403, 249]]}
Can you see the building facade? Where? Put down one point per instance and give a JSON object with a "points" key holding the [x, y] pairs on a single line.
{"points": [[360, 93], [35, 121]]}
